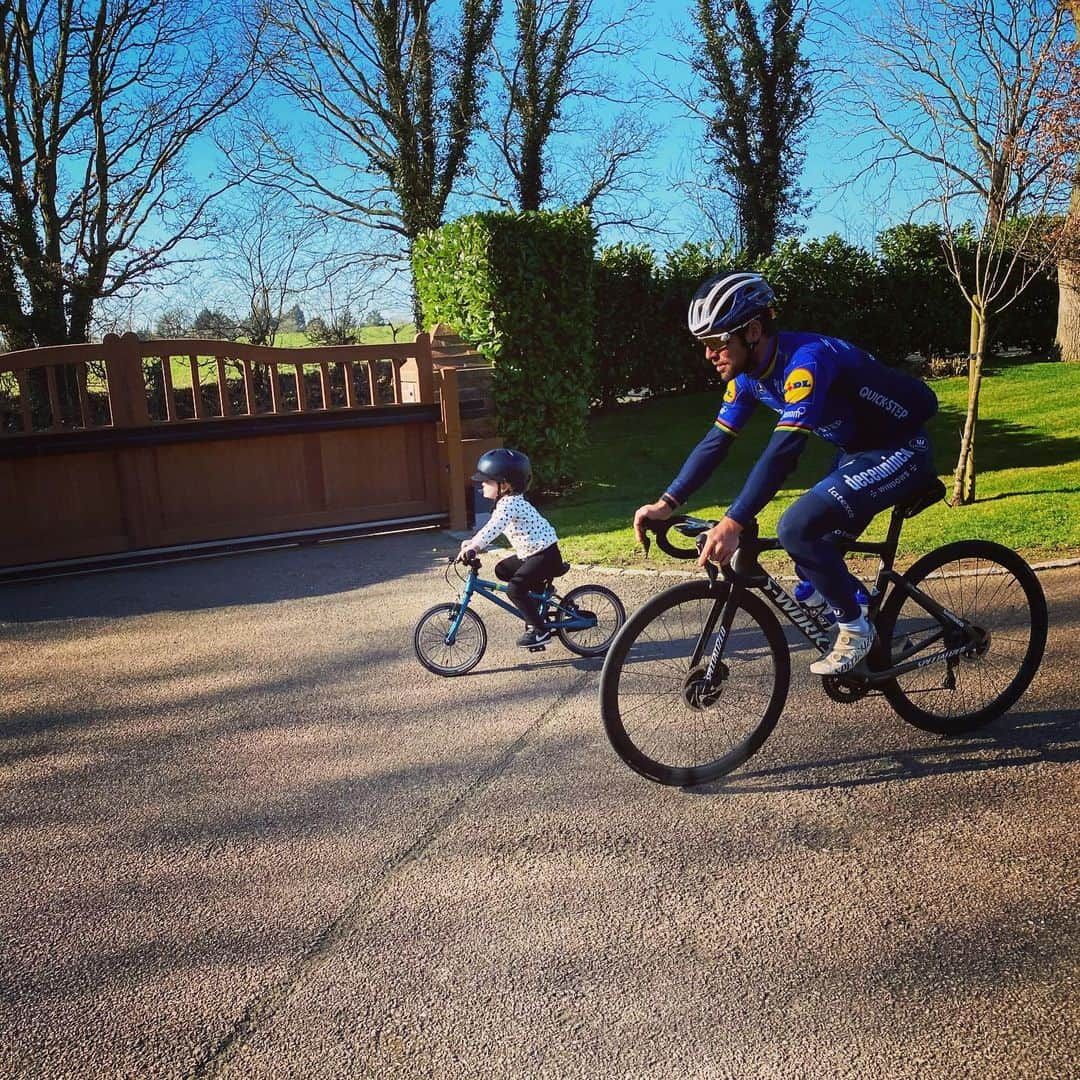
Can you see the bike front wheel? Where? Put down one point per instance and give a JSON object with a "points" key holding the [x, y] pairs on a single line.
{"points": [[441, 657], [662, 716], [609, 612], [989, 586]]}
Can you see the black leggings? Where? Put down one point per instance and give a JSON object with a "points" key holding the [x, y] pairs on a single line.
{"points": [[525, 575]]}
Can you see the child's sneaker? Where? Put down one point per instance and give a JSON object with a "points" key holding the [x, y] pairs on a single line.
{"points": [[533, 637], [849, 651]]}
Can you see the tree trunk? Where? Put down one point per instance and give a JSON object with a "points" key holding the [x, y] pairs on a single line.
{"points": [[964, 477], [1068, 325]]}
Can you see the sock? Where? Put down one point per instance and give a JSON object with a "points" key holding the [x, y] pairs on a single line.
{"points": [[860, 626]]}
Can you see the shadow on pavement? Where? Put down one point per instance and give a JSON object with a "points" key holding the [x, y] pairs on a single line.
{"points": [[257, 577], [1017, 739]]}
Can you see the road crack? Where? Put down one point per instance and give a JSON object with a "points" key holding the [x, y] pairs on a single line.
{"points": [[324, 946]]}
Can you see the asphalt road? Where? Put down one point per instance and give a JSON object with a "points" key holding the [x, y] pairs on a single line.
{"points": [[244, 834]]}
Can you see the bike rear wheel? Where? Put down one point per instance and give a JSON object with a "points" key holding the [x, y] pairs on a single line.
{"points": [[990, 586], [610, 615], [662, 718], [432, 650]]}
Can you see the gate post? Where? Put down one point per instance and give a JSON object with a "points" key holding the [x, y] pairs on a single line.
{"points": [[127, 390], [451, 425]]}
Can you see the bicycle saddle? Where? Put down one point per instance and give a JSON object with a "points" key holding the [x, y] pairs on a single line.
{"points": [[923, 500]]}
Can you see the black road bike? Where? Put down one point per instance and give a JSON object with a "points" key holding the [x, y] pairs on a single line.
{"points": [[697, 677]]}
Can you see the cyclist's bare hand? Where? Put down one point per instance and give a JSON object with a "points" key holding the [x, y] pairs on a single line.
{"points": [[657, 511], [721, 542]]}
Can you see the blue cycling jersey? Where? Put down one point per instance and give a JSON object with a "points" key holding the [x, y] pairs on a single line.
{"points": [[817, 384]]}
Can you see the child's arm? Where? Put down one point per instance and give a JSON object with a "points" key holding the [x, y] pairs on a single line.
{"points": [[483, 539]]}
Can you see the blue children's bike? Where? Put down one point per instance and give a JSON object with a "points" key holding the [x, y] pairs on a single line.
{"points": [[450, 639]]}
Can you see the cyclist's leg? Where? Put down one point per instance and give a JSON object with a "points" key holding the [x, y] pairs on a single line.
{"points": [[859, 487], [805, 531], [506, 568], [528, 576]]}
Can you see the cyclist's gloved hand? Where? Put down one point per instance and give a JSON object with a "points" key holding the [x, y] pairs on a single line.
{"points": [[467, 555]]}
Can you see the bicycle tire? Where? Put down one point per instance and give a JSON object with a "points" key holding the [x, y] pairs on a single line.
{"points": [[994, 588], [596, 640], [429, 639], [686, 608]]}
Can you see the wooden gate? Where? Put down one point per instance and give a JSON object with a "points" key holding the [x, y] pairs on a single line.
{"points": [[139, 448]]}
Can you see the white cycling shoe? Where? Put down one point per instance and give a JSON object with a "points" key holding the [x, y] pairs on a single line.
{"points": [[849, 651]]}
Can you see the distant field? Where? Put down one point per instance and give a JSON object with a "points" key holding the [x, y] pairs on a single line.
{"points": [[1027, 453], [369, 335]]}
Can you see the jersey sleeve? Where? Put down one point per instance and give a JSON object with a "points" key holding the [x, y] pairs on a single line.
{"points": [[777, 460], [738, 404], [734, 411]]}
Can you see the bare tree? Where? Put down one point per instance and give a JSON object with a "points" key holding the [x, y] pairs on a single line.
{"points": [[393, 96], [965, 89], [1068, 325], [759, 96], [269, 253], [101, 101], [550, 144]]}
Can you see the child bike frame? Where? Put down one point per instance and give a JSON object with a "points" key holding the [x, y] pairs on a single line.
{"points": [[450, 638], [476, 585]]}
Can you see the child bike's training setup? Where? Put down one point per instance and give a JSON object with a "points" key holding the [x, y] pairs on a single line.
{"points": [[696, 679]]}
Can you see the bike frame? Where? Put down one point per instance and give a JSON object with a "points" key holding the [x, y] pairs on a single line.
{"points": [[814, 628], [478, 586]]}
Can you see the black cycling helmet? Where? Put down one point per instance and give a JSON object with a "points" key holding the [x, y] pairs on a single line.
{"points": [[509, 465], [727, 302]]}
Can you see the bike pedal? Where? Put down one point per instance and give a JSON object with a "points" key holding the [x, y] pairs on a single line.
{"points": [[537, 648]]}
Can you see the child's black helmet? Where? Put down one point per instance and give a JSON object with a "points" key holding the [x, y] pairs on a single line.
{"points": [[511, 466]]}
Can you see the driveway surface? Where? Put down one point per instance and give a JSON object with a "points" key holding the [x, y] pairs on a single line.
{"points": [[244, 834]]}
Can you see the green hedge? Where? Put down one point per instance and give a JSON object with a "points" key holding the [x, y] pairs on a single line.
{"points": [[897, 300], [520, 287]]}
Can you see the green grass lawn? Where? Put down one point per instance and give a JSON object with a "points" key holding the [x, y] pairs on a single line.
{"points": [[1027, 457]]}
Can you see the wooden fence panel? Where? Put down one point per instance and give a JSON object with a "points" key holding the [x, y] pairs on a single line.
{"points": [[73, 490]]}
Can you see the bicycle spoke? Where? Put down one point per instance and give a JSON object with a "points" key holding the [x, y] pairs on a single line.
{"points": [[984, 591], [662, 718]]}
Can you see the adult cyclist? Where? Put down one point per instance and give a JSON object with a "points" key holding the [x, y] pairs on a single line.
{"points": [[819, 385]]}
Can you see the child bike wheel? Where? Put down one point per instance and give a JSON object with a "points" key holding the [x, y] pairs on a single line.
{"points": [[990, 586], [429, 640], [663, 720], [610, 615]]}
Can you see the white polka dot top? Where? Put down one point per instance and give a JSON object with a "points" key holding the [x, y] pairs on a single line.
{"points": [[526, 529]]}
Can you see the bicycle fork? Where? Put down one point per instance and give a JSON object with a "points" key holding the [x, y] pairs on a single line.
{"points": [[703, 686]]}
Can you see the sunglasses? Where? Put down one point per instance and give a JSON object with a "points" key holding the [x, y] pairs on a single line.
{"points": [[720, 341]]}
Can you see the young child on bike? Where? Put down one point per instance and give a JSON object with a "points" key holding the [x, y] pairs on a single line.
{"points": [[505, 474]]}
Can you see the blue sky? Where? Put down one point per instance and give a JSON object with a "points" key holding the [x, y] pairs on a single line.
{"points": [[847, 212], [857, 213]]}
